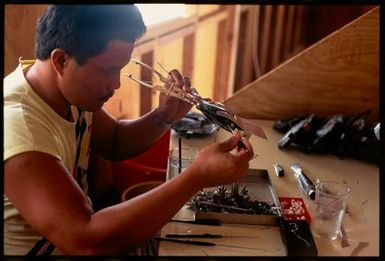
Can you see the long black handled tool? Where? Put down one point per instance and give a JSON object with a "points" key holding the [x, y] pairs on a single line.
{"points": [[203, 221], [185, 241], [204, 243], [205, 235]]}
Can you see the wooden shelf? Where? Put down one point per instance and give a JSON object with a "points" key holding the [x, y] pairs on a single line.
{"points": [[338, 74]]}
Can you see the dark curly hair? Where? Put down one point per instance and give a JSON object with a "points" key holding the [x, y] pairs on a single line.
{"points": [[83, 31]]}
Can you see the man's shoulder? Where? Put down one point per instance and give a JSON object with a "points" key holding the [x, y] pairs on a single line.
{"points": [[14, 82], [17, 75]]}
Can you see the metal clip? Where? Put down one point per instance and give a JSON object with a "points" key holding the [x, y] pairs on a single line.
{"points": [[217, 112], [163, 84]]}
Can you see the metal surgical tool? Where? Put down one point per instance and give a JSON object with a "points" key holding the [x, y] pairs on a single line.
{"points": [[216, 112]]}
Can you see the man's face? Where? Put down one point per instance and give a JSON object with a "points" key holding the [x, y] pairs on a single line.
{"points": [[90, 85]]}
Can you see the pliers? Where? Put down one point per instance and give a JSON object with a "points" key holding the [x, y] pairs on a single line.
{"points": [[216, 112]]}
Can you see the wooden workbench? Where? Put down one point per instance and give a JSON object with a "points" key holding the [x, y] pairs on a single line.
{"points": [[337, 75], [361, 223]]}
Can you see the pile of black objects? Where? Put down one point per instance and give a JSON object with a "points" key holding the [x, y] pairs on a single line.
{"points": [[224, 201], [343, 135], [194, 124]]}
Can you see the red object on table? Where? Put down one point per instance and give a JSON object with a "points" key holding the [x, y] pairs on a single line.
{"points": [[151, 165], [294, 209]]}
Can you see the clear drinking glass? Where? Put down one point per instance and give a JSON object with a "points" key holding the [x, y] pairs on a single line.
{"points": [[186, 157], [330, 200]]}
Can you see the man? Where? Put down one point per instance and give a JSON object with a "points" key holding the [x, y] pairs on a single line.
{"points": [[53, 115]]}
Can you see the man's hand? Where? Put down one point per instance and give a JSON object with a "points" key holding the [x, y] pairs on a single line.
{"points": [[223, 162], [170, 108]]}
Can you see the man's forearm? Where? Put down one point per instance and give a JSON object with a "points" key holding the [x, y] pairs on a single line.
{"points": [[135, 221], [132, 137]]}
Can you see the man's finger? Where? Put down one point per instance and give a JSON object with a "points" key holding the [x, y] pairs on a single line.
{"points": [[230, 143], [175, 75], [186, 83]]}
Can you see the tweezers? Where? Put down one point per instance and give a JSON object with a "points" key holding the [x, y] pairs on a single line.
{"points": [[201, 243], [205, 235], [186, 241], [204, 221]]}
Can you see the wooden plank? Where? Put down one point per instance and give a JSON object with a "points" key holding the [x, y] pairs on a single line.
{"points": [[19, 33], [130, 92], [220, 76], [144, 47], [188, 55], [255, 32], [339, 74], [146, 75], [234, 50], [216, 17], [241, 65], [248, 74], [298, 28], [162, 29], [180, 33], [227, 39], [204, 58], [126, 101], [207, 10], [278, 36], [287, 46], [265, 37], [169, 55]]}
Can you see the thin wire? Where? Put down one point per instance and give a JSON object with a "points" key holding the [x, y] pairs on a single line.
{"points": [[148, 82], [180, 154], [163, 68]]}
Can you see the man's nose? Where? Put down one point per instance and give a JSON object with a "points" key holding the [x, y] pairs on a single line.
{"points": [[115, 82]]}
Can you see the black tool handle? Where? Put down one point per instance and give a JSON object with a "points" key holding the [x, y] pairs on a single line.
{"points": [[203, 221], [187, 241], [205, 235], [307, 185]]}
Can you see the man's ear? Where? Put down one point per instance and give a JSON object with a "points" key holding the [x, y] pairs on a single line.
{"points": [[59, 58]]}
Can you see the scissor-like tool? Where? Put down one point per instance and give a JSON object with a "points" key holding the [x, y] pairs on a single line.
{"points": [[216, 112]]}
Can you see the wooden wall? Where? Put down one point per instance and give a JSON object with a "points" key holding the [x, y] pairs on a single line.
{"points": [[215, 47], [189, 46], [199, 47], [271, 34], [19, 33], [338, 74]]}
